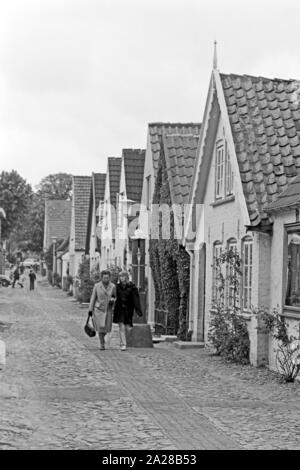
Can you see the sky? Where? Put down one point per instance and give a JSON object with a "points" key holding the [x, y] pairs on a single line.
{"points": [[81, 79]]}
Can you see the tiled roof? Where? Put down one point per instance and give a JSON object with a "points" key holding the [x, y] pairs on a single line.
{"points": [[134, 162], [157, 129], [289, 197], [81, 195], [180, 154], [264, 116], [98, 186], [114, 170], [57, 220]]}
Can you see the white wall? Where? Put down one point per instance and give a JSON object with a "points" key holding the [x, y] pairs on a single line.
{"points": [[220, 223]]}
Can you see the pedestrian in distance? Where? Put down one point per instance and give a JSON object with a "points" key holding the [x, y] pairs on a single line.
{"points": [[128, 301], [16, 278], [101, 306], [22, 279], [32, 279]]}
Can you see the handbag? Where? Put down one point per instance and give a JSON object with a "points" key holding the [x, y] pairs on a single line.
{"points": [[90, 330]]}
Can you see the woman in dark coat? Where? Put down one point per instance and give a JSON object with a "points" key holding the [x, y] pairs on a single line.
{"points": [[128, 301]]}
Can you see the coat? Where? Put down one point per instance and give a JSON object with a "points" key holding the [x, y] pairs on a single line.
{"points": [[102, 307], [128, 300]]}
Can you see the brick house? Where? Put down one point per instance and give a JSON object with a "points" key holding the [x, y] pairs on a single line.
{"points": [[81, 187], [153, 149], [109, 220], [128, 201], [93, 236], [246, 185]]}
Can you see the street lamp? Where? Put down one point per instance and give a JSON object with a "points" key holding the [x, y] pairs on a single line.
{"points": [[54, 240]]}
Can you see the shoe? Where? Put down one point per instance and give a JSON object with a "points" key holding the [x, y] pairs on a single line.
{"points": [[123, 348], [102, 348]]}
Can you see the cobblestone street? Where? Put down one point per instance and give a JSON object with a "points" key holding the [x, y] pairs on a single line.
{"points": [[59, 391]]}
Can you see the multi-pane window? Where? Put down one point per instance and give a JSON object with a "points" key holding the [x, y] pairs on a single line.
{"points": [[228, 173], [217, 250], [224, 174], [292, 293], [247, 263], [220, 170], [232, 275]]}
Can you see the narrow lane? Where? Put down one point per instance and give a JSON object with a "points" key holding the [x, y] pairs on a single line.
{"points": [[59, 391]]}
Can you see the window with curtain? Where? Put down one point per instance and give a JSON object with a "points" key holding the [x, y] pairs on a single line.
{"points": [[292, 263], [224, 174], [220, 170]]}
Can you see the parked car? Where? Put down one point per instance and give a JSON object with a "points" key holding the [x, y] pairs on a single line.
{"points": [[4, 280], [29, 262]]}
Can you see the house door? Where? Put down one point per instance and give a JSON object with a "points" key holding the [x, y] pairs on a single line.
{"points": [[201, 292], [138, 276]]}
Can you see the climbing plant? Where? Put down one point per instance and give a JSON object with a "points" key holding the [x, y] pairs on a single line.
{"points": [[228, 331], [170, 264], [287, 350]]}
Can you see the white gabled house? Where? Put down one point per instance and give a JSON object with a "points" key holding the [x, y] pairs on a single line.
{"points": [[128, 201], [108, 213], [92, 248], [248, 158]]}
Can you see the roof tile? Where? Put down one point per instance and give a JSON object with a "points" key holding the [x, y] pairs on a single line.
{"points": [[57, 220], [81, 196], [134, 162], [180, 154], [267, 138]]}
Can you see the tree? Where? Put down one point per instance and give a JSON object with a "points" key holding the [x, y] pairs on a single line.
{"points": [[15, 198], [56, 186]]}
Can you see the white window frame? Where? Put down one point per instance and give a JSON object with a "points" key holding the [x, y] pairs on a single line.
{"points": [[224, 173], [228, 173], [220, 169], [292, 264], [247, 270]]}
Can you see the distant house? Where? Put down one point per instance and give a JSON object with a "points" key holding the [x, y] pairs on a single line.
{"points": [[57, 220], [93, 236], [108, 215], [81, 187], [247, 179], [153, 152], [169, 260], [128, 201], [63, 261]]}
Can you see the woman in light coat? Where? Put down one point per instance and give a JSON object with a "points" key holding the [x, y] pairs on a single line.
{"points": [[101, 306]]}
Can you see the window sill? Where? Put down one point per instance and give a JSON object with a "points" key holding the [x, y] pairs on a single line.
{"points": [[291, 312], [224, 200]]}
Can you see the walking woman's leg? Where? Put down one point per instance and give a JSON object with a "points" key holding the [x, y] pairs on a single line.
{"points": [[122, 336], [102, 341]]}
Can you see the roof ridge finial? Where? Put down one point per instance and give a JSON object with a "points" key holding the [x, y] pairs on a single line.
{"points": [[215, 60]]}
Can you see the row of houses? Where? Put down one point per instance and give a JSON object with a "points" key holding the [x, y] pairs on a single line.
{"points": [[240, 172]]}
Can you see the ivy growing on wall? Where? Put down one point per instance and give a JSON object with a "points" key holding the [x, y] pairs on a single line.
{"points": [[170, 265]]}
